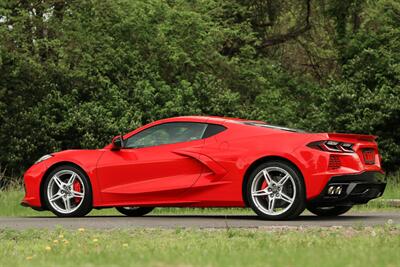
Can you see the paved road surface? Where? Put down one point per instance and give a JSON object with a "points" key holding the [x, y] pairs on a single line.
{"points": [[196, 221]]}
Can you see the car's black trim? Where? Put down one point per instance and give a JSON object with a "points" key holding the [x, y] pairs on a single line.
{"points": [[266, 125], [356, 189]]}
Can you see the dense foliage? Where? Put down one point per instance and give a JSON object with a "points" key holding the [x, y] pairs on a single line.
{"points": [[75, 73]]}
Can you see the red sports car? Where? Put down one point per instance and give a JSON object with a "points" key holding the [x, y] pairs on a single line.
{"points": [[199, 161]]}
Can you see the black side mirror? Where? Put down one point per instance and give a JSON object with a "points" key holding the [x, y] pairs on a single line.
{"points": [[117, 142]]}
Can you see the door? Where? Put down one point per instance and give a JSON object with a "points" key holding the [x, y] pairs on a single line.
{"points": [[156, 164]]}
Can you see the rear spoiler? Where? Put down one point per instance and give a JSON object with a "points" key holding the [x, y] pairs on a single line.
{"points": [[364, 137]]}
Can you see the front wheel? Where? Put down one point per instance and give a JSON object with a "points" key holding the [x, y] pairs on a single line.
{"points": [[276, 191], [134, 211], [328, 211], [67, 192]]}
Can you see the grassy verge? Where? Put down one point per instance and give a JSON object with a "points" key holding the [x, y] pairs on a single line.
{"points": [[10, 205], [369, 246], [392, 190]]}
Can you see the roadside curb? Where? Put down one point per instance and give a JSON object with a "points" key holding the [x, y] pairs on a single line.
{"points": [[395, 203]]}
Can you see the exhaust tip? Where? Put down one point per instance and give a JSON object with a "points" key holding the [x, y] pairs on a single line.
{"points": [[335, 190]]}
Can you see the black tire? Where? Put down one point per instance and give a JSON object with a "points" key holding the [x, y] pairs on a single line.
{"points": [[328, 211], [134, 211], [298, 199], [86, 205]]}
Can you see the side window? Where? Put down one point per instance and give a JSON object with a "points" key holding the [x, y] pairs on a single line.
{"points": [[213, 129], [167, 133]]}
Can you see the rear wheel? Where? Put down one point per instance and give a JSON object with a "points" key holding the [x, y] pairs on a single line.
{"points": [[328, 211], [276, 191], [67, 192], [134, 211]]}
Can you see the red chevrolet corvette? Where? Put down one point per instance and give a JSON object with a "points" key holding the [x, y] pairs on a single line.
{"points": [[211, 162]]}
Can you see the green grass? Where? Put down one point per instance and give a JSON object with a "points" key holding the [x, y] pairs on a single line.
{"points": [[10, 205], [336, 246], [377, 246], [392, 190]]}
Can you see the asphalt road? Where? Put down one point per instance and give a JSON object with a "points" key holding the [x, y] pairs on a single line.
{"points": [[196, 221]]}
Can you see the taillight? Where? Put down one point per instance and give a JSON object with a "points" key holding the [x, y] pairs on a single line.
{"points": [[332, 146]]}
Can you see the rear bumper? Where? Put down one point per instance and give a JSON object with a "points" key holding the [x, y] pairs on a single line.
{"points": [[346, 190]]}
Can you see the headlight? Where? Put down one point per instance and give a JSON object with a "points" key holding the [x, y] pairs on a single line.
{"points": [[43, 158]]}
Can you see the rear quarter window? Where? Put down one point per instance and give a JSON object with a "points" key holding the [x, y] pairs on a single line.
{"points": [[213, 129]]}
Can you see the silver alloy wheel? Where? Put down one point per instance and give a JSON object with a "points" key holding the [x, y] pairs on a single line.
{"points": [[61, 194], [273, 190]]}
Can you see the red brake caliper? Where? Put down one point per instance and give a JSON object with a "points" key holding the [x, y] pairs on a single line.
{"points": [[77, 188], [264, 185]]}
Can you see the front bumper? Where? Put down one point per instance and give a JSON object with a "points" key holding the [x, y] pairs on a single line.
{"points": [[32, 181], [354, 189], [24, 203]]}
